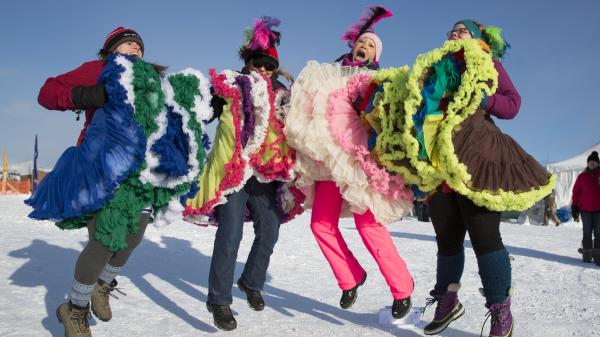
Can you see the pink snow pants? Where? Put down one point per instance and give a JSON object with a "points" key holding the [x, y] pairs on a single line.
{"points": [[327, 207]]}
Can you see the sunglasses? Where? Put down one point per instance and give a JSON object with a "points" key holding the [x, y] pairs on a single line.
{"points": [[262, 64]]}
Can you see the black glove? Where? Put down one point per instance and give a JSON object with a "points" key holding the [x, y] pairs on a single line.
{"points": [[575, 212], [88, 97], [217, 103]]}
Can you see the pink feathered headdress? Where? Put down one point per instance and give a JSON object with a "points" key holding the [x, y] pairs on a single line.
{"points": [[364, 26], [261, 39]]}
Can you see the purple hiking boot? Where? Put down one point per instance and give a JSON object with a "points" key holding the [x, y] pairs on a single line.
{"points": [[448, 309], [502, 320]]}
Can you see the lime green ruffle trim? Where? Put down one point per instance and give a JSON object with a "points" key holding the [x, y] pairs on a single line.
{"points": [[480, 72], [398, 140]]}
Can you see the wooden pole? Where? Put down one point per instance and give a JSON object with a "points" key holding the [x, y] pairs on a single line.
{"points": [[4, 171]]}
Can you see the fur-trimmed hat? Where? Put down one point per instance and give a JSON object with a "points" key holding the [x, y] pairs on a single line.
{"points": [[261, 40], [594, 157], [120, 35]]}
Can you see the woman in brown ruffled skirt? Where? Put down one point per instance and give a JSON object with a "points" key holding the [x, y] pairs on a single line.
{"points": [[497, 166]]}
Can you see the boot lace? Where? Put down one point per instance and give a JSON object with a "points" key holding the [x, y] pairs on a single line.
{"points": [[496, 312], [223, 310], [254, 295], [443, 302], [80, 318], [108, 291]]}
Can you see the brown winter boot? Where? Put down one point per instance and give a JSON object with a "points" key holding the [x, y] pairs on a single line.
{"points": [[74, 319], [100, 299]]}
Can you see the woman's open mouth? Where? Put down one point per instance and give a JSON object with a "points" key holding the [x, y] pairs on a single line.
{"points": [[360, 55]]}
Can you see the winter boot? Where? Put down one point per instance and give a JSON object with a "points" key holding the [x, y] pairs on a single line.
{"points": [[222, 316], [501, 317], [401, 307], [587, 255], [596, 256], [349, 296], [74, 319], [253, 297], [448, 309], [100, 298]]}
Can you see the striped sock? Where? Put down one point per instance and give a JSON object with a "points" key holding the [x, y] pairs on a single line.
{"points": [[109, 273], [80, 294]]}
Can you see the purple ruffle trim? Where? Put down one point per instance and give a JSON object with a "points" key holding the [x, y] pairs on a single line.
{"points": [[244, 83]]}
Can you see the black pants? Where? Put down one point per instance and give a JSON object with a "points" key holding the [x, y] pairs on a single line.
{"points": [[591, 230], [453, 215]]}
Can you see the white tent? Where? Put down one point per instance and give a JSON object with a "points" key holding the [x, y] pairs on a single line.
{"points": [[566, 173]]}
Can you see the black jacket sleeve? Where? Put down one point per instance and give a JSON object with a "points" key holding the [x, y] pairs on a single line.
{"points": [[88, 97]]}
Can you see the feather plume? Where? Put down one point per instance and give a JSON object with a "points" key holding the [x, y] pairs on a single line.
{"points": [[366, 23], [493, 37], [261, 36]]}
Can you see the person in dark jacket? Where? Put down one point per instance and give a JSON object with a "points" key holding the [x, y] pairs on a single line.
{"points": [[586, 203], [97, 266]]}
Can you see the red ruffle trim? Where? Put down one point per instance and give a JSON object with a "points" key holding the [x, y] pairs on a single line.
{"points": [[234, 169]]}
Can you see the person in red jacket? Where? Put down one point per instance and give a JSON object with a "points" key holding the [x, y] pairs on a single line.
{"points": [[96, 267], [78, 89], [586, 201]]}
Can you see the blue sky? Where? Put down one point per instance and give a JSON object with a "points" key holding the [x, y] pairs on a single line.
{"points": [[553, 62]]}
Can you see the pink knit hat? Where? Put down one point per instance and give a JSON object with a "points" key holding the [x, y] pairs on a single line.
{"points": [[378, 43], [364, 27]]}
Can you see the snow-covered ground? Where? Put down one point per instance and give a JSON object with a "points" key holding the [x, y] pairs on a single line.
{"points": [[166, 282]]}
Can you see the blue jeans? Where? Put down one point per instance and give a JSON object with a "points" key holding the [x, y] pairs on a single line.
{"points": [[259, 198], [591, 225]]}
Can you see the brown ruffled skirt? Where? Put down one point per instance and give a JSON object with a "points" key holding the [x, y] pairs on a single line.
{"points": [[494, 160]]}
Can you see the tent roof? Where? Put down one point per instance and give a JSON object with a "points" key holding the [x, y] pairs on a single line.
{"points": [[578, 162]]}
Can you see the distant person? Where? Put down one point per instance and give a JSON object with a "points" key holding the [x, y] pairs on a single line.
{"points": [[586, 202], [422, 210], [550, 209]]}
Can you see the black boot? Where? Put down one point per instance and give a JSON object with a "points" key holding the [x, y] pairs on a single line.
{"points": [[596, 256], [401, 307], [587, 255], [222, 316], [349, 296], [253, 297]]}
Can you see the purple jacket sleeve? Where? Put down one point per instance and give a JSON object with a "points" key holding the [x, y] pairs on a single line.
{"points": [[505, 103]]}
